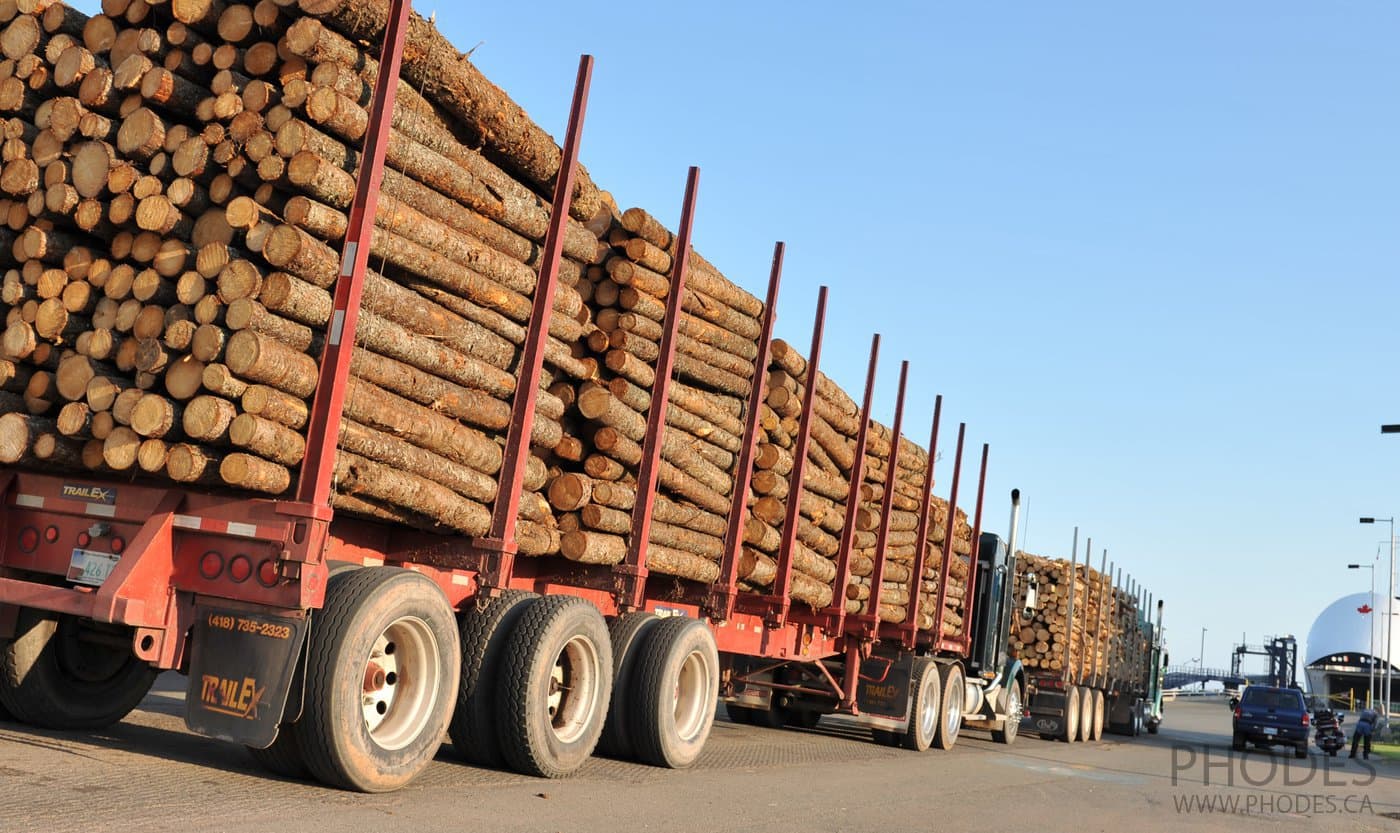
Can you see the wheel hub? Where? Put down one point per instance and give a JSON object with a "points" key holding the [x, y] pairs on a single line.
{"points": [[575, 685], [400, 682]]}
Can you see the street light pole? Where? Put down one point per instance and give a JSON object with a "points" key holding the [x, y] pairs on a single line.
{"points": [[1371, 626], [1203, 654], [1389, 598]]}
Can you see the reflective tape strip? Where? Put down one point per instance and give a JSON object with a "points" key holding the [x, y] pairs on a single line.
{"points": [[337, 325], [347, 262], [218, 527], [461, 579], [101, 510], [244, 530], [29, 501], [185, 522], [373, 562]]}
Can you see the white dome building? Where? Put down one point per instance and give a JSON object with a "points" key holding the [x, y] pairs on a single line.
{"points": [[1339, 650]]}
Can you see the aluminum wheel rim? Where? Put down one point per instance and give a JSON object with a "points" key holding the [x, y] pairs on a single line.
{"points": [[692, 696], [928, 711], [953, 711], [575, 684], [400, 686], [1013, 711]]}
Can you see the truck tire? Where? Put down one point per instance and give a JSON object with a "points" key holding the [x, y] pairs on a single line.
{"points": [[383, 665], [626, 634], [555, 684], [675, 691], [1301, 750], [1237, 742], [1071, 732], [1097, 726], [484, 631], [283, 757], [801, 718], [1086, 714], [925, 711], [50, 677], [954, 696], [1012, 724]]}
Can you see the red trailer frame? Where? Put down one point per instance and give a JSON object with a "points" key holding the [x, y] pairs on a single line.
{"points": [[182, 548]]}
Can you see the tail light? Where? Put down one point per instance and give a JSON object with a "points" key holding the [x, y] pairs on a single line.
{"points": [[1238, 711], [1306, 720]]}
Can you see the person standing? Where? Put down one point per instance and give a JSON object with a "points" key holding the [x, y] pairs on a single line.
{"points": [[1365, 726]]}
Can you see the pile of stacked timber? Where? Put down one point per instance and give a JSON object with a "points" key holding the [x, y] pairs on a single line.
{"points": [[1089, 640], [822, 512], [175, 179], [716, 345]]}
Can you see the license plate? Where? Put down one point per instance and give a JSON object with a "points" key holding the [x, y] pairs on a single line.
{"points": [[91, 567], [1269, 730]]}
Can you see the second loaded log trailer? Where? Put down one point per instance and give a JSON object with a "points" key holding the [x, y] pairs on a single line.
{"points": [[345, 649]]}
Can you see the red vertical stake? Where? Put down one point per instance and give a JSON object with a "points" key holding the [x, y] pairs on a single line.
{"points": [[911, 628], [318, 467], [500, 541], [948, 540], [970, 595], [882, 537], [781, 601], [631, 574], [726, 590], [837, 612]]}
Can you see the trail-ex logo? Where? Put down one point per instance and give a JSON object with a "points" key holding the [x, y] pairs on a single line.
{"points": [[236, 698], [90, 494]]}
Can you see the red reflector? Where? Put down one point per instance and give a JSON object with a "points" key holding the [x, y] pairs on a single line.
{"points": [[211, 564], [118, 544], [240, 568], [267, 573], [84, 539], [29, 539], [51, 534]]}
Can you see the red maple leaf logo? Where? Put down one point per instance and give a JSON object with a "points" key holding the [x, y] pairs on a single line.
{"points": [[1364, 609]]}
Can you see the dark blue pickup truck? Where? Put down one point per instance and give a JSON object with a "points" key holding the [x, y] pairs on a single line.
{"points": [[1267, 716]]}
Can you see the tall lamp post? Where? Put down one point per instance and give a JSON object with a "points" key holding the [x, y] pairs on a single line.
{"points": [[1371, 623], [1389, 597]]}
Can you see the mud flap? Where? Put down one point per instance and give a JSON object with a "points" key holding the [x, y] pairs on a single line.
{"points": [[242, 665], [883, 693]]}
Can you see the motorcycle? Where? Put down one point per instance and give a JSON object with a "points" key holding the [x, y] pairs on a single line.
{"points": [[1328, 734]]}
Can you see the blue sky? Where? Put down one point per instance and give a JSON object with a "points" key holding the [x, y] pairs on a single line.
{"points": [[1146, 251]]}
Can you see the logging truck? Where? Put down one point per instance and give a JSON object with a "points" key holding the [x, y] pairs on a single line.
{"points": [[1102, 669], [541, 482]]}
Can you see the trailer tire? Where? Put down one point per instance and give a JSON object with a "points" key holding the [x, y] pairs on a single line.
{"points": [[676, 690], [1071, 730], [1086, 714], [925, 709], [560, 649], [626, 632], [1097, 725], [951, 717], [394, 629], [1012, 724], [484, 631], [283, 757], [802, 718], [50, 678]]}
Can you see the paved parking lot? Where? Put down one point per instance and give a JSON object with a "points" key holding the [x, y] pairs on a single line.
{"points": [[150, 774]]}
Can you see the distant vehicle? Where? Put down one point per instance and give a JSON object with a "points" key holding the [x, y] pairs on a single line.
{"points": [[1327, 731], [1267, 716]]}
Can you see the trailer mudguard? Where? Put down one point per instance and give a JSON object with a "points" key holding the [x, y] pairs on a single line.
{"points": [[242, 664], [884, 690]]}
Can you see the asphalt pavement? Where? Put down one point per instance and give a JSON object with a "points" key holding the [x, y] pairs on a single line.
{"points": [[150, 774]]}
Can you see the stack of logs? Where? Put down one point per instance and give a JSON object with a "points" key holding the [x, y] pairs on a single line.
{"points": [[176, 178], [1056, 639]]}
